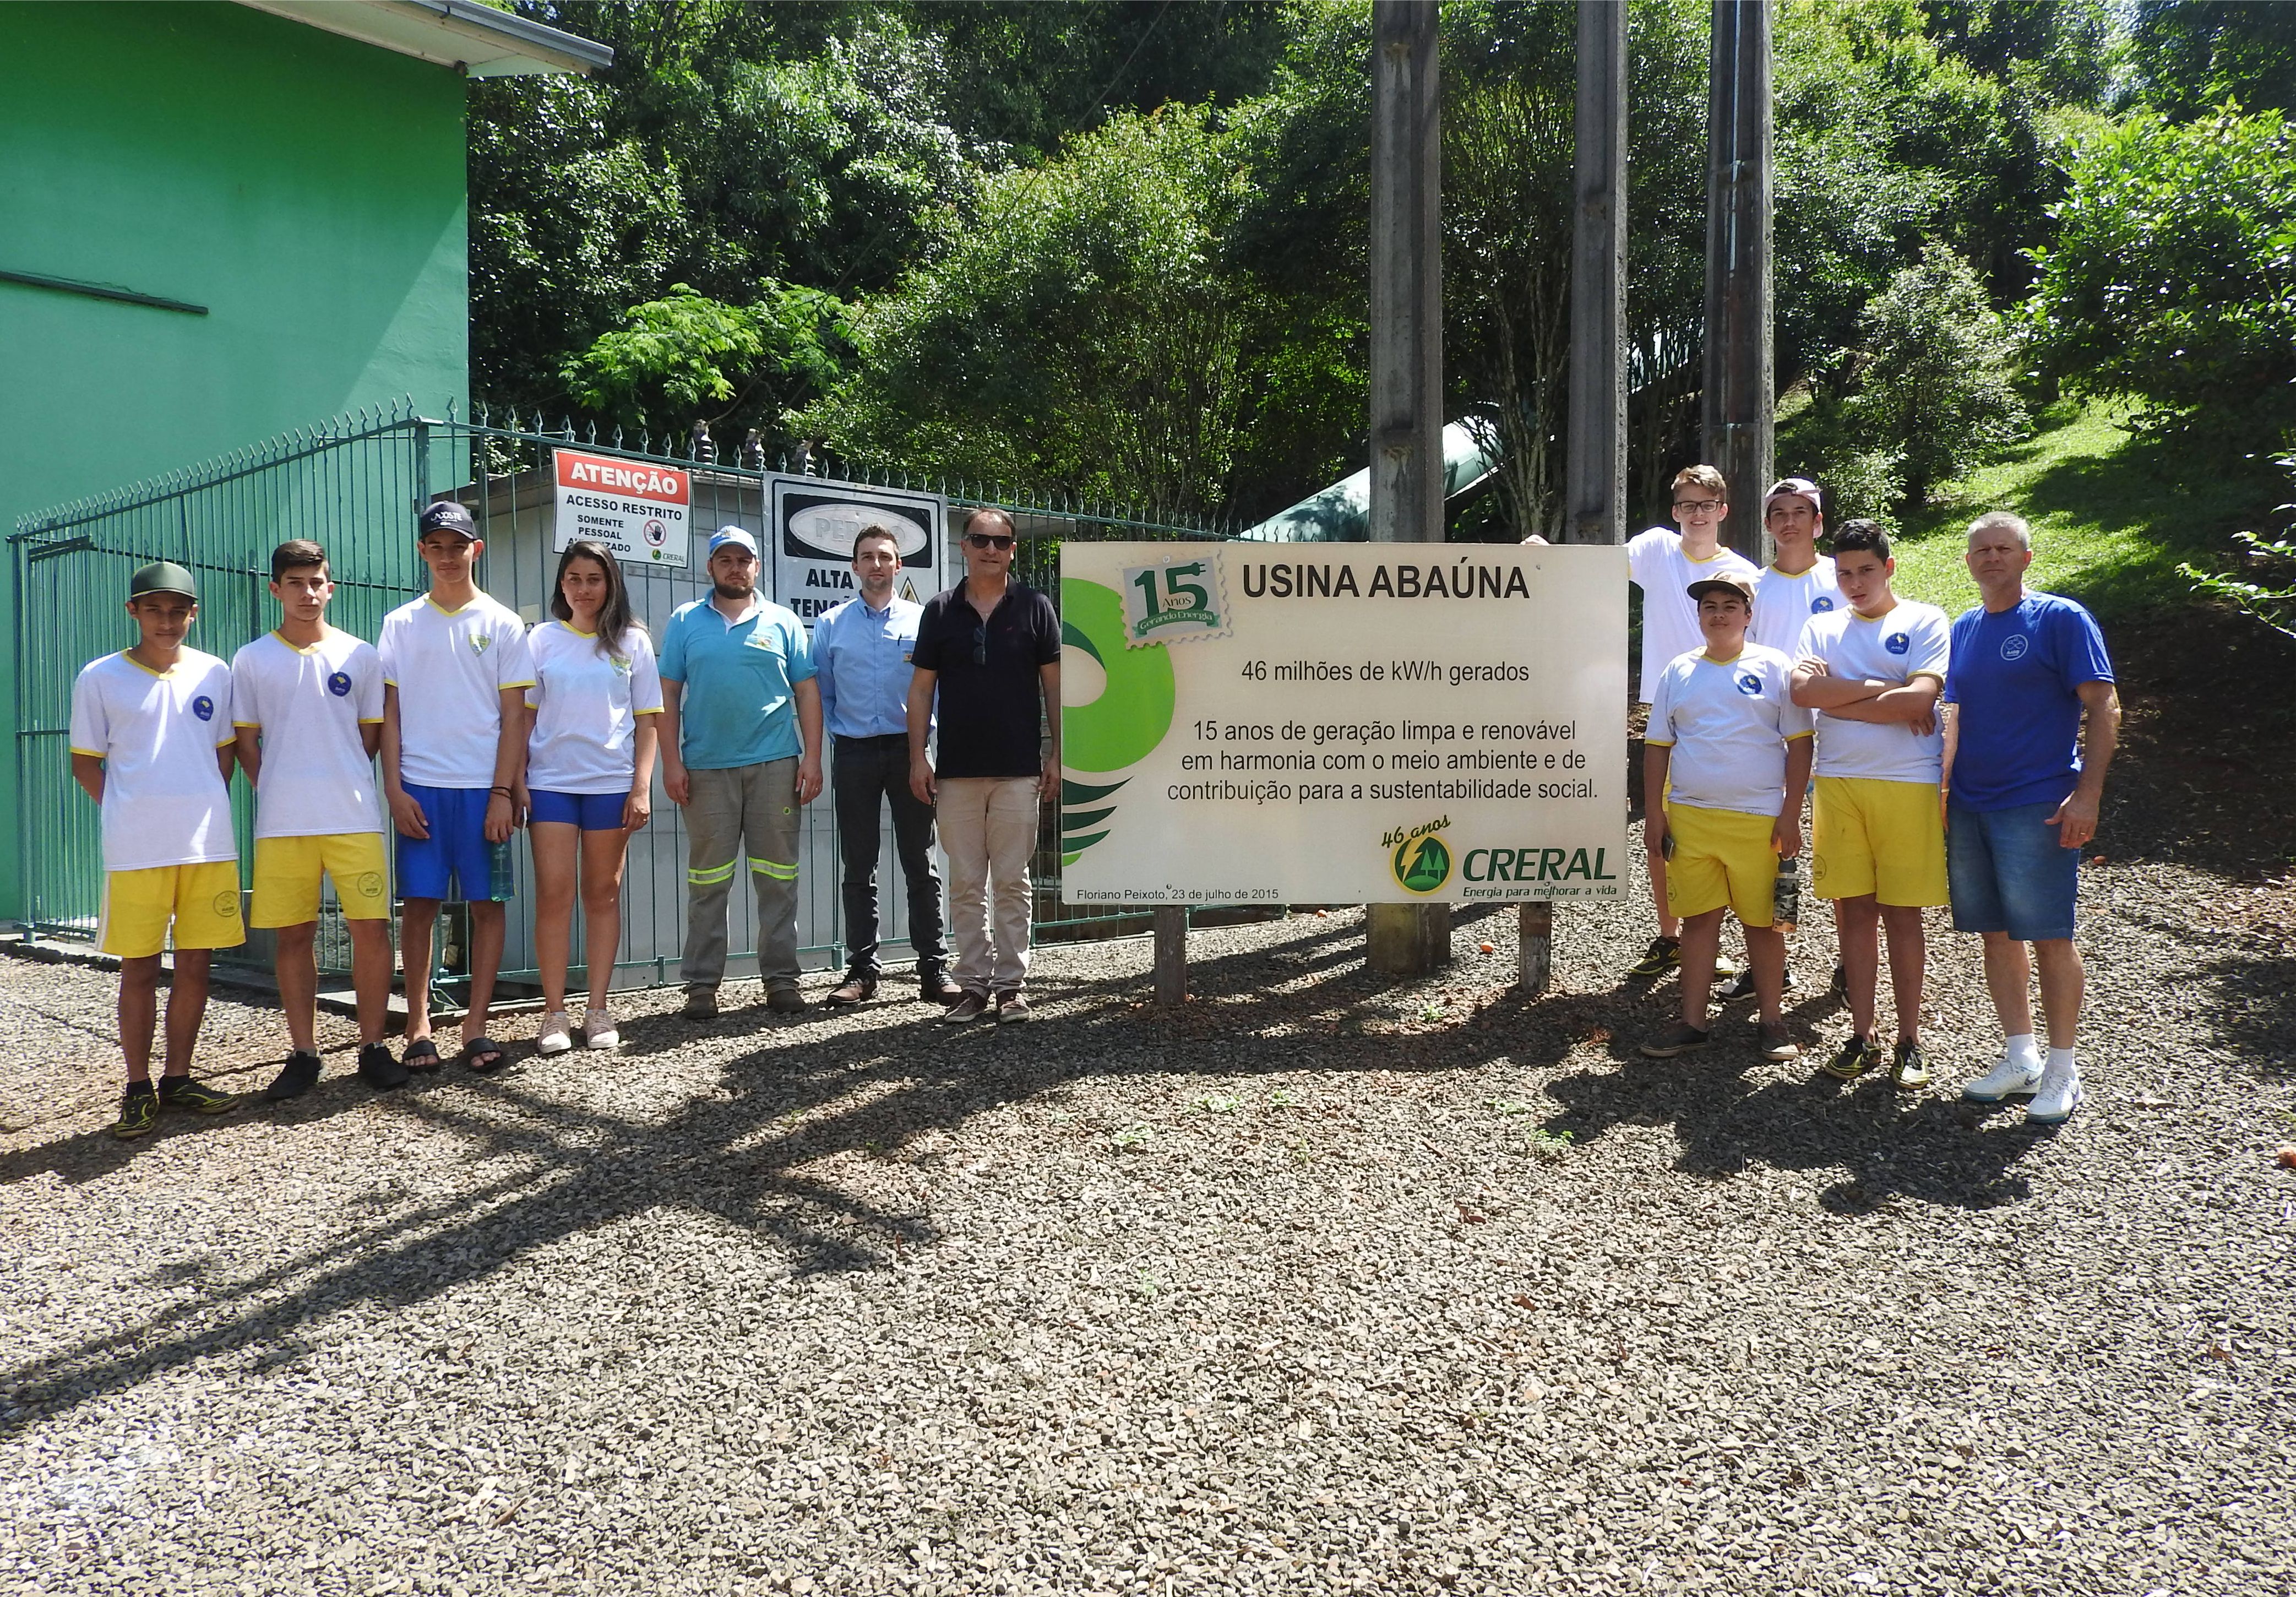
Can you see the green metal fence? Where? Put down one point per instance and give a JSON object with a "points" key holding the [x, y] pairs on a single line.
{"points": [[354, 485]]}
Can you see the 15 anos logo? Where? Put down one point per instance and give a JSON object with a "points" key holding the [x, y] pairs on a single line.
{"points": [[1419, 859]]}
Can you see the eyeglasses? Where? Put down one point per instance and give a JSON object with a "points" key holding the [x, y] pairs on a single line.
{"points": [[989, 540], [1697, 507]]}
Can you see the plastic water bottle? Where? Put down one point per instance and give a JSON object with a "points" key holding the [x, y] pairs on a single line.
{"points": [[501, 883], [1785, 895]]}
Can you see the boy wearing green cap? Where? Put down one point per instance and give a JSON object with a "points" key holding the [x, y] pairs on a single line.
{"points": [[152, 745]]}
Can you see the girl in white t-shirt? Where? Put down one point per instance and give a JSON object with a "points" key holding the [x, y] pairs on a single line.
{"points": [[589, 777]]}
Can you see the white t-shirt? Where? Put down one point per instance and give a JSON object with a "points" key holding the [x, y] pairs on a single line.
{"points": [[318, 779], [450, 668], [1784, 606], [1729, 721], [1655, 561], [164, 801], [586, 705], [1911, 640]]}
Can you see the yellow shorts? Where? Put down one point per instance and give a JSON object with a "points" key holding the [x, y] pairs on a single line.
{"points": [[1722, 857], [202, 899], [287, 872], [1883, 838]]}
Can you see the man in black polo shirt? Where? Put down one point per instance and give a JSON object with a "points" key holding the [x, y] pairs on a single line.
{"points": [[989, 646]]}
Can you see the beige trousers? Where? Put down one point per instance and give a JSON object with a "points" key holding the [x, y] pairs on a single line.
{"points": [[988, 830]]}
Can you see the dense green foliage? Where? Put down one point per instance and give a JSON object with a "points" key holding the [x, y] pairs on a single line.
{"points": [[1118, 248], [2173, 277]]}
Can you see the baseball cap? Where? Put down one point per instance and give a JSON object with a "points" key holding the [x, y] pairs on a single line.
{"points": [[447, 515], [1743, 587], [1799, 486], [732, 538], [162, 576]]}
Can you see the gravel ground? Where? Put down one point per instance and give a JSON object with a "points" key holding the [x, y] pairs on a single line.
{"points": [[1329, 1283]]}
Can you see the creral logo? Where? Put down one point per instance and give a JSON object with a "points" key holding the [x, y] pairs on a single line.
{"points": [[203, 707], [339, 684], [1750, 686], [1820, 604], [2014, 645], [1898, 642]]}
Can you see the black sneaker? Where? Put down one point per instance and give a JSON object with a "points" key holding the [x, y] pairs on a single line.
{"points": [[139, 1112], [301, 1075], [785, 1000], [1909, 1068], [1739, 988], [1857, 1057], [182, 1092], [1663, 955], [377, 1069]]}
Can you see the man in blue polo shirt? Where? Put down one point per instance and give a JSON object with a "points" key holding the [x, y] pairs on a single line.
{"points": [[740, 753], [2024, 780], [862, 648]]}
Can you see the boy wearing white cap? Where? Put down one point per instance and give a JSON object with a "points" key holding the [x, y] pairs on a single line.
{"points": [[1731, 751]]}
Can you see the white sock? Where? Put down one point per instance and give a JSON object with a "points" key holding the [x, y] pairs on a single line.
{"points": [[2023, 1049], [2062, 1059]]}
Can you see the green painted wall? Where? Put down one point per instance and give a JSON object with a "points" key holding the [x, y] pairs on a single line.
{"points": [[307, 189]]}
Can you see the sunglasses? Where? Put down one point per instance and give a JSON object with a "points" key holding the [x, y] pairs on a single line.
{"points": [[981, 644], [989, 540]]}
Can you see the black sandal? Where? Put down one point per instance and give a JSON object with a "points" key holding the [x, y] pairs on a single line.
{"points": [[421, 1057], [483, 1056]]}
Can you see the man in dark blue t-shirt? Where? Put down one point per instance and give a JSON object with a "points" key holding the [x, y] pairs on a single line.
{"points": [[2024, 780], [990, 648]]}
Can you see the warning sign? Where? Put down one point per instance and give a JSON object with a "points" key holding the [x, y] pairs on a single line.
{"points": [[639, 511], [813, 522]]}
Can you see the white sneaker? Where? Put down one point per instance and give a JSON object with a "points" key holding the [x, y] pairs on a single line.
{"points": [[555, 1037], [2059, 1096], [598, 1029], [2010, 1078]]}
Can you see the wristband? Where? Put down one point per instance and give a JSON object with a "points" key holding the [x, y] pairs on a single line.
{"points": [[503, 791]]}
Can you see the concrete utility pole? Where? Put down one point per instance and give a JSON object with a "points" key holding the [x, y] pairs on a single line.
{"points": [[1741, 389], [1406, 358], [1595, 472]]}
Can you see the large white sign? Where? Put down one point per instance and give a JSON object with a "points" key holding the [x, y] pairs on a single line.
{"points": [[641, 511], [1325, 723], [811, 523]]}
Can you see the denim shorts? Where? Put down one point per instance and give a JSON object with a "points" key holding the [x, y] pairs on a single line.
{"points": [[2009, 873], [591, 811]]}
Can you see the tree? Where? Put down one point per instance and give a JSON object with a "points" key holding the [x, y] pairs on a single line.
{"points": [[2172, 280], [2191, 56], [1080, 332], [687, 356], [1935, 384]]}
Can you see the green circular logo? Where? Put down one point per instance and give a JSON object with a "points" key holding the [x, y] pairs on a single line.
{"points": [[226, 905], [1132, 714], [370, 884], [1421, 864]]}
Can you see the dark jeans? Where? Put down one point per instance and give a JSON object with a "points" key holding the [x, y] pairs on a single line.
{"points": [[866, 772]]}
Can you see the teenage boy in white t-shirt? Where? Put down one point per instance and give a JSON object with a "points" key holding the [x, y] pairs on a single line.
{"points": [[152, 745], [455, 669], [1731, 751], [307, 704], [1663, 564], [1874, 672]]}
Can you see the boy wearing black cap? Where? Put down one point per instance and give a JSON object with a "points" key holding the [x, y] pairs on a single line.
{"points": [[152, 745], [455, 669]]}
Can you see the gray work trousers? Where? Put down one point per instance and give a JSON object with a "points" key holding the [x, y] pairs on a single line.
{"points": [[742, 818]]}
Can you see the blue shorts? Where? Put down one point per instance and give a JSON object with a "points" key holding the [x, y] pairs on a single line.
{"points": [[456, 853], [591, 811], [2009, 873]]}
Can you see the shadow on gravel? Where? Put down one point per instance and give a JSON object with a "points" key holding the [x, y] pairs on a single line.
{"points": [[752, 1152], [1926, 1150], [2254, 1015]]}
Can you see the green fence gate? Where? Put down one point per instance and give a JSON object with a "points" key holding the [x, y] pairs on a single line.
{"points": [[354, 485]]}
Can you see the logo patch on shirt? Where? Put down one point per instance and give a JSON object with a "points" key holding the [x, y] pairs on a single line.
{"points": [[622, 666], [2014, 645], [480, 642], [1898, 643], [1750, 686], [339, 685], [1820, 604], [203, 707]]}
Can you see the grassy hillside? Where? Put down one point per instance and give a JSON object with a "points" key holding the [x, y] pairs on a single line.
{"points": [[2109, 522]]}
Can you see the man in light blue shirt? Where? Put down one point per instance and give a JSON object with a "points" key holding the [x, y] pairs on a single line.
{"points": [[740, 753], [861, 649]]}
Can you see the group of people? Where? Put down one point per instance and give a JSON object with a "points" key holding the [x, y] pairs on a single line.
{"points": [[1954, 762], [483, 726], [1947, 762]]}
